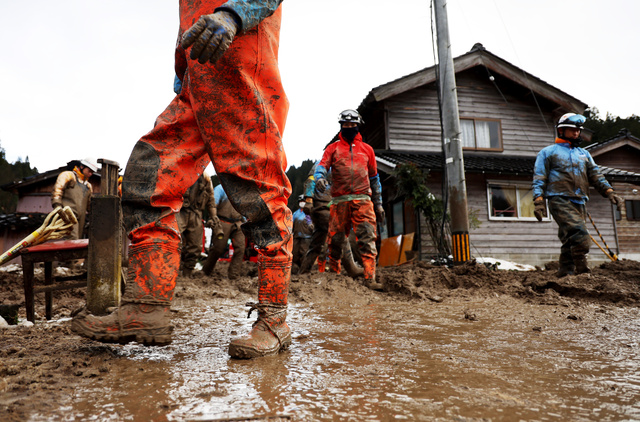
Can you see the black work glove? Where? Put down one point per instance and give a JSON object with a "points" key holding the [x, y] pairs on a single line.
{"points": [[213, 222], [321, 185], [380, 214], [210, 36], [540, 209], [308, 206], [615, 200], [216, 227]]}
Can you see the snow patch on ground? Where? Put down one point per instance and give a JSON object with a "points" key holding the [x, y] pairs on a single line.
{"points": [[505, 265], [11, 268]]}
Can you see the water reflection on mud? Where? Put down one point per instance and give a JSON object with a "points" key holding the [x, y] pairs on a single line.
{"points": [[392, 361]]}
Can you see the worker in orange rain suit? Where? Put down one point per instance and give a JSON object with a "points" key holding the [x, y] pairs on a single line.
{"points": [[231, 110], [317, 206], [355, 184], [195, 200], [72, 189], [230, 228]]}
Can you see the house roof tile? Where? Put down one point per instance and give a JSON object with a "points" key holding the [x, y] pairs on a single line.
{"points": [[488, 164]]}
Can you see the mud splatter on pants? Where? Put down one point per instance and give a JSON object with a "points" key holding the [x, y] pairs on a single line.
{"points": [[572, 228], [232, 114], [359, 215]]}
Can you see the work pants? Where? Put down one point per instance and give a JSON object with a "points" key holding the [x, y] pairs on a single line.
{"points": [[232, 114], [191, 232], [218, 246], [320, 217], [572, 228], [359, 215], [300, 248]]}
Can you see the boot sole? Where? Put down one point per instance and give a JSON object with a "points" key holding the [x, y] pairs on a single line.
{"points": [[243, 352], [149, 337]]}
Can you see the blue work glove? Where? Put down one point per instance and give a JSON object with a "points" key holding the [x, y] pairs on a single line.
{"points": [[321, 185], [210, 36]]}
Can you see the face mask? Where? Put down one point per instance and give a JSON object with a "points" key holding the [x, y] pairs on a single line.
{"points": [[349, 133], [575, 142], [301, 204]]}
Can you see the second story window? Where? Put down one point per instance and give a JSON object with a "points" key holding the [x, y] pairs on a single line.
{"points": [[481, 134]]}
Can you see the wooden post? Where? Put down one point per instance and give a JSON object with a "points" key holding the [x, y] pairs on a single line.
{"points": [[105, 243]]}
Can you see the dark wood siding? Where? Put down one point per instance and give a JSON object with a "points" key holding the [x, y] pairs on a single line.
{"points": [[413, 117], [628, 231], [503, 239], [624, 158]]}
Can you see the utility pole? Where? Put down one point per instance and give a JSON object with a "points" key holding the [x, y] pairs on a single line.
{"points": [[452, 146]]}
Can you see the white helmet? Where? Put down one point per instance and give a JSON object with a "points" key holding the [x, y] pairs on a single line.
{"points": [[572, 120], [91, 163]]}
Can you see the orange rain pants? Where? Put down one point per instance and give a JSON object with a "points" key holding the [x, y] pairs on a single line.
{"points": [[359, 216], [233, 114]]}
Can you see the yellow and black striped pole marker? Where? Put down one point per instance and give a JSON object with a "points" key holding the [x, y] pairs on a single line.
{"points": [[461, 249]]}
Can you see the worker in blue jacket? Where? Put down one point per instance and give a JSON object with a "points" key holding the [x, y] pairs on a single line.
{"points": [[563, 173]]}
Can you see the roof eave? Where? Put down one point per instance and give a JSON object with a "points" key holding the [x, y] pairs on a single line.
{"points": [[478, 57]]}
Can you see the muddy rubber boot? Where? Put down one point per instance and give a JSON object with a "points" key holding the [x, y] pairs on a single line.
{"points": [[350, 266], [307, 263], [144, 322], [582, 266], [143, 314], [270, 334], [210, 263], [373, 284], [567, 267], [565, 270]]}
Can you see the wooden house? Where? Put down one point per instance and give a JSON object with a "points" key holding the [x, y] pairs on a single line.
{"points": [[507, 116], [34, 203], [623, 152]]}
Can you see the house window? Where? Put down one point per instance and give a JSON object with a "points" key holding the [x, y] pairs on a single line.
{"points": [[481, 134], [633, 210], [511, 201]]}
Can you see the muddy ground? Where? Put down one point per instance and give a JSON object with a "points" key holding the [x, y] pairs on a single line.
{"points": [[46, 370]]}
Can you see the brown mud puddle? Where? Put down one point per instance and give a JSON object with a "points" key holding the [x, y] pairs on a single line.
{"points": [[465, 344]]}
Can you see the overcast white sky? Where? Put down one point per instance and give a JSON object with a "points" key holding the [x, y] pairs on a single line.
{"points": [[88, 78]]}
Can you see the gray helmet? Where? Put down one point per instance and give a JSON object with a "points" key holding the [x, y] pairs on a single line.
{"points": [[350, 116]]}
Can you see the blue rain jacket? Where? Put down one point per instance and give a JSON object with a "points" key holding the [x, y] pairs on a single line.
{"points": [[562, 170]]}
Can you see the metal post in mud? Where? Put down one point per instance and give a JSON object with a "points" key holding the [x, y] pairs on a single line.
{"points": [[105, 243]]}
